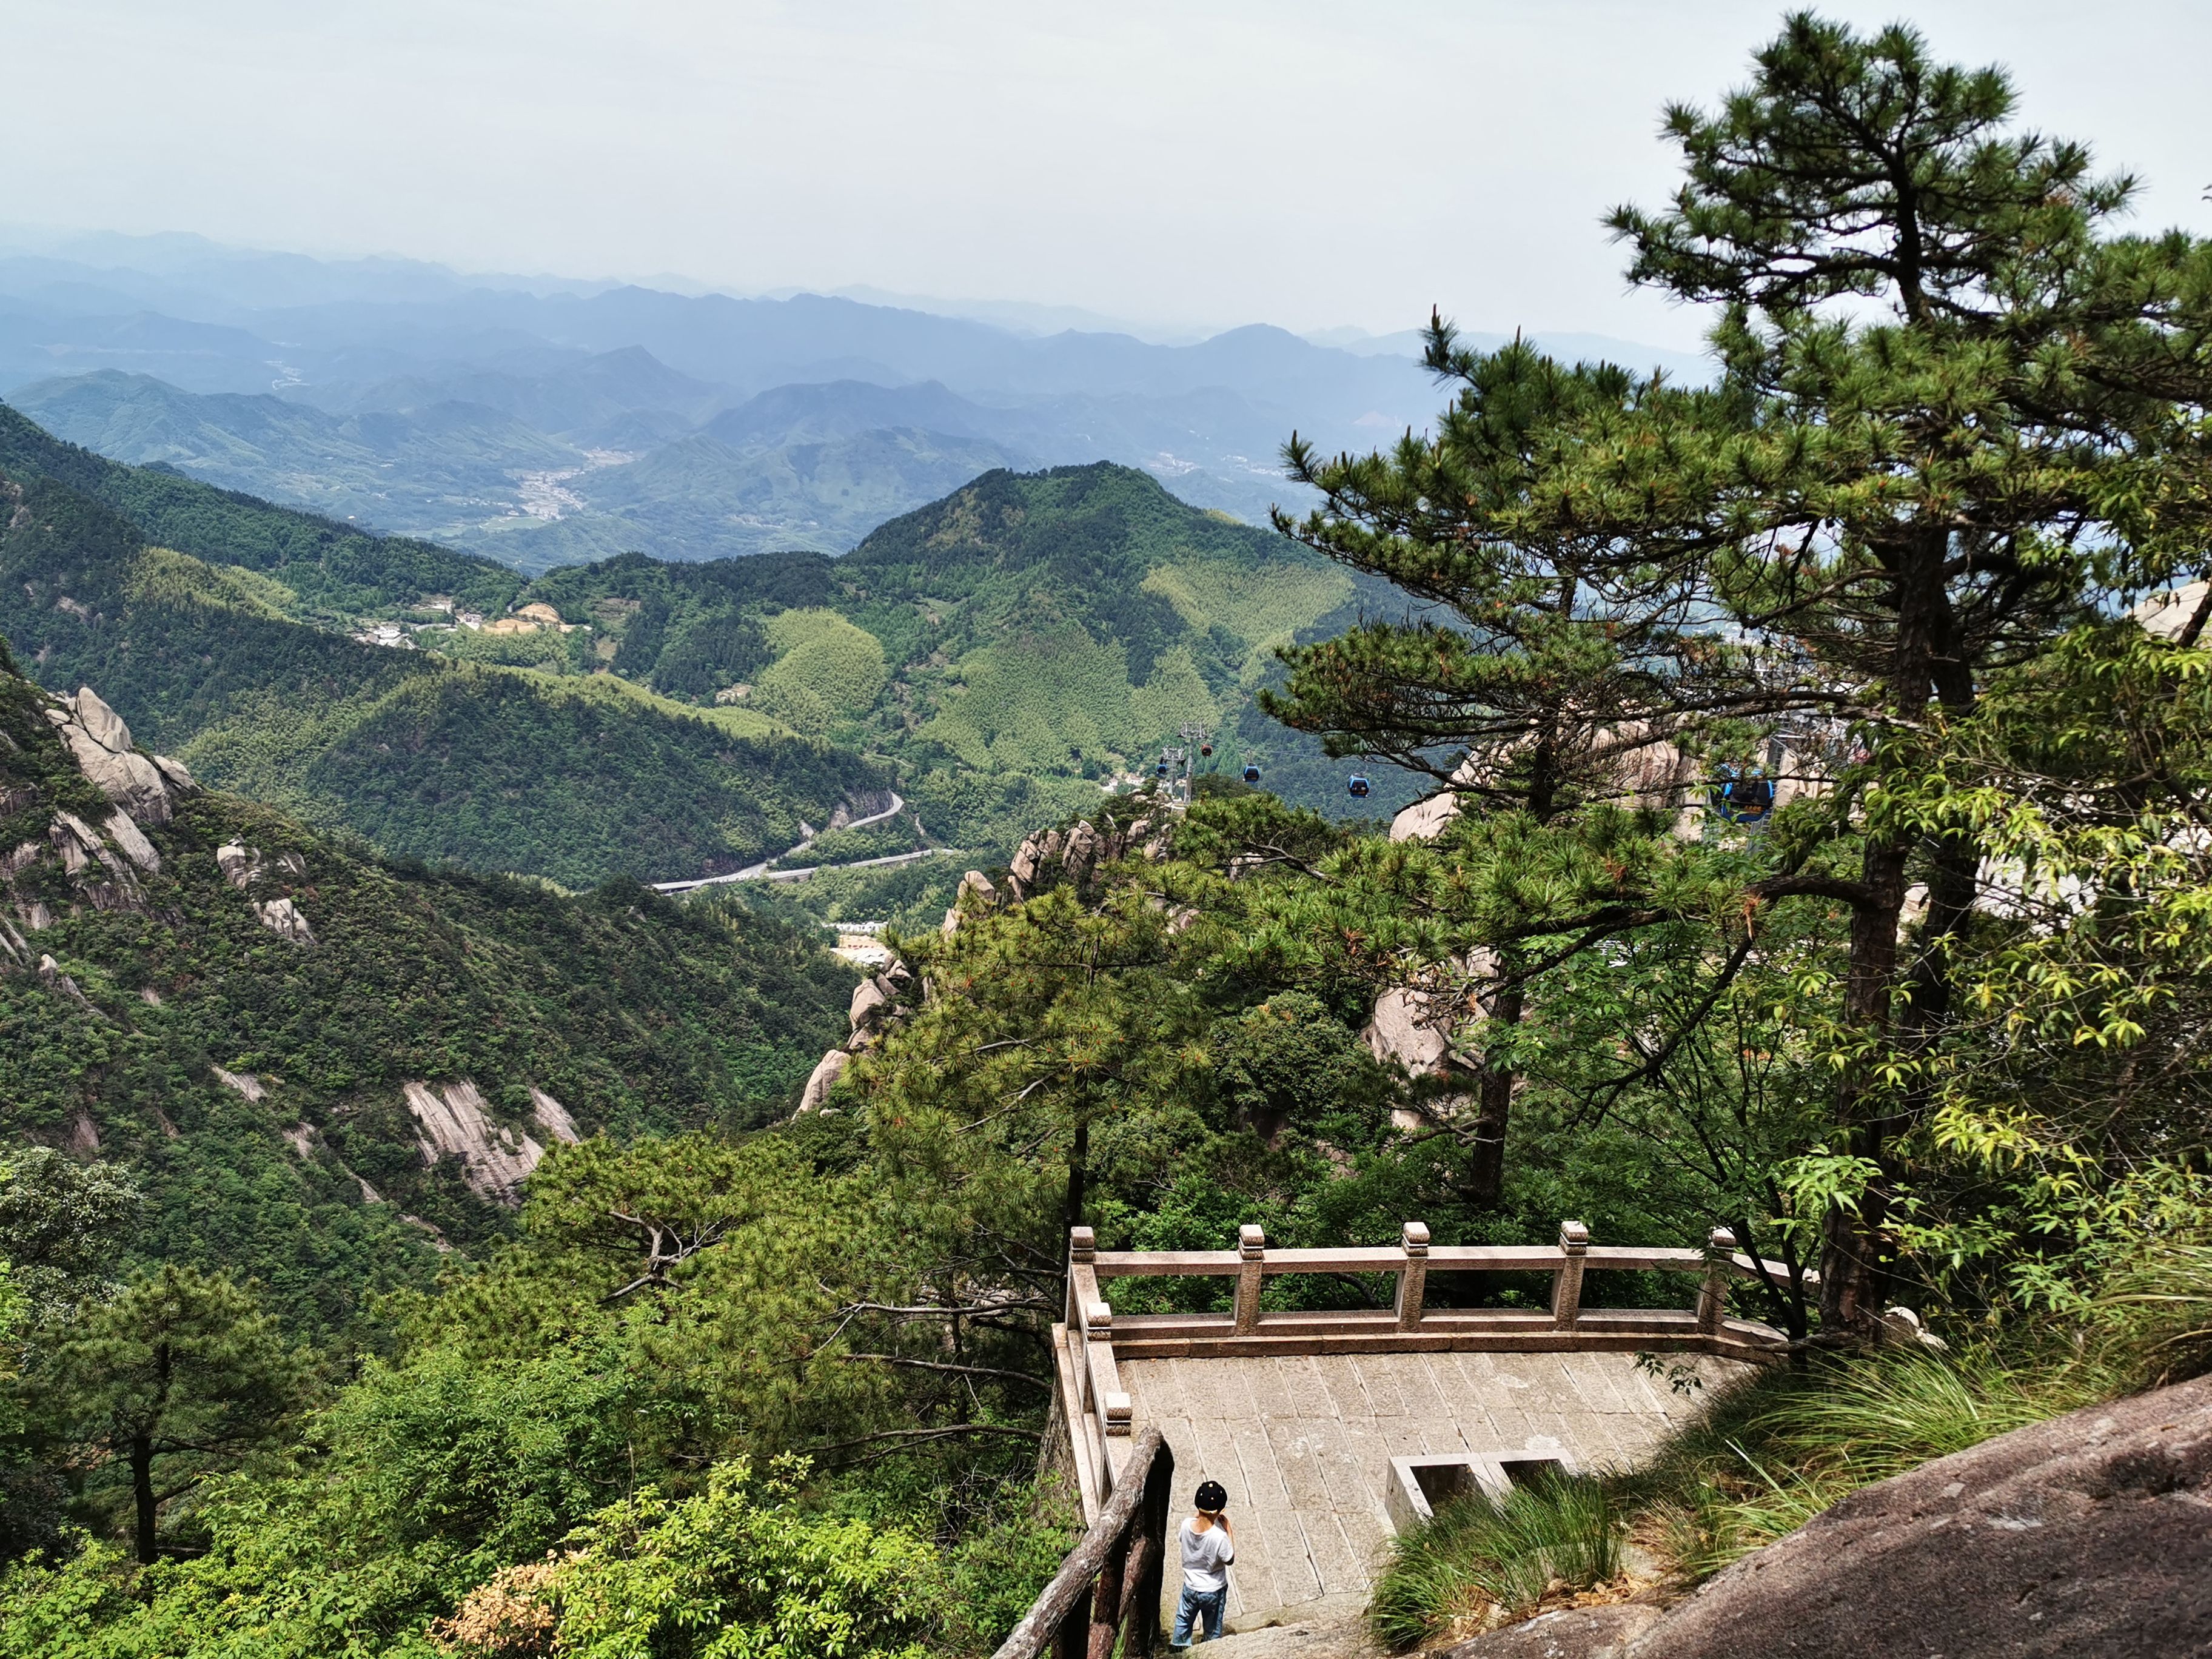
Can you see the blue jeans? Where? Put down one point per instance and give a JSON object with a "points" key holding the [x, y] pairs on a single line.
{"points": [[1203, 1608]]}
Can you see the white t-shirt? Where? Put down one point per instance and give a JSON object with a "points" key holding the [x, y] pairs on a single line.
{"points": [[1206, 1556]]}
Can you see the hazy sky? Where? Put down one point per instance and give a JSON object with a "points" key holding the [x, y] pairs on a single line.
{"points": [[1189, 163]]}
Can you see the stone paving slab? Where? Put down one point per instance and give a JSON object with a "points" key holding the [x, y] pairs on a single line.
{"points": [[1303, 1443]]}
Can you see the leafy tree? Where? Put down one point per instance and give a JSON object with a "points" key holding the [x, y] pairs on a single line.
{"points": [[179, 1375], [65, 1226], [737, 1569], [1959, 414]]}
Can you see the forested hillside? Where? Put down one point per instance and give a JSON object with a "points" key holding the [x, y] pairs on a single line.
{"points": [[211, 995], [220, 626], [1014, 647], [1823, 763]]}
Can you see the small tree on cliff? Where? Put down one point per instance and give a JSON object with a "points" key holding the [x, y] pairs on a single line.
{"points": [[1958, 415]]}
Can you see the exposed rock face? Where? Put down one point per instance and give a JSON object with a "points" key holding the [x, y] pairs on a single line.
{"points": [[456, 1123], [282, 918], [1602, 1632], [102, 864], [245, 1082], [102, 746], [132, 840], [824, 1079], [243, 867], [869, 1001], [2090, 1534], [1075, 854], [553, 1117]]}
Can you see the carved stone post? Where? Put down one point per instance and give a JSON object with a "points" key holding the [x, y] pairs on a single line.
{"points": [[1082, 1252], [1712, 1293], [1251, 1246], [1567, 1282], [1413, 1283]]}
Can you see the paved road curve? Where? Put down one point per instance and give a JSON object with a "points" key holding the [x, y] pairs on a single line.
{"points": [[761, 872]]}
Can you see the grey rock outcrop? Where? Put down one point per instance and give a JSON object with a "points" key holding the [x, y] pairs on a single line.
{"points": [[455, 1122], [282, 917], [824, 1079], [130, 839], [102, 747], [553, 1117], [1600, 1632], [244, 868], [1078, 853], [2090, 1534]]}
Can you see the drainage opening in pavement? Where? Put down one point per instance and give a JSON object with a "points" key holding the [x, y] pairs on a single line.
{"points": [[1419, 1486]]}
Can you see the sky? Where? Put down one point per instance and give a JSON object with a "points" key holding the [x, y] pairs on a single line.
{"points": [[1191, 164]]}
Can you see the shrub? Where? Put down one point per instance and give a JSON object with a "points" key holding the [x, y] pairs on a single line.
{"points": [[736, 1571]]}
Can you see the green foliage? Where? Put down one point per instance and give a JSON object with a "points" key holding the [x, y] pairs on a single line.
{"points": [[1480, 1561], [1973, 417], [826, 671], [633, 1012], [734, 1570], [336, 571], [1026, 632], [219, 661], [1771, 1455], [180, 1375]]}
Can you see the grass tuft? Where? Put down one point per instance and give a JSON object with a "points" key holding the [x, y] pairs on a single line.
{"points": [[1478, 1561]]}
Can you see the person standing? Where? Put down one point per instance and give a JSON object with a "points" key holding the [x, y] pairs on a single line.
{"points": [[1208, 1547]]}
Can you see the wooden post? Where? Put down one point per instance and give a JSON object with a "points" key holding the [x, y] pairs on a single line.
{"points": [[1082, 1252], [1712, 1292], [1413, 1282], [1071, 1637], [1567, 1282], [1106, 1602], [1251, 1246], [1154, 1516]]}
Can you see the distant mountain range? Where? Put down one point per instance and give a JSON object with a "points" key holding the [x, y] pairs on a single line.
{"points": [[544, 422]]}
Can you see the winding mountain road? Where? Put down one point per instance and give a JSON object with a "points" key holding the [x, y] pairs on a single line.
{"points": [[761, 871]]}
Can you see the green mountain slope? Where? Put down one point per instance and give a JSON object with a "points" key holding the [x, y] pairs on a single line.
{"points": [[270, 1028], [232, 660], [1030, 638]]}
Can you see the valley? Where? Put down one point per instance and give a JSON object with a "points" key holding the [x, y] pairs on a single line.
{"points": [[1000, 656], [686, 976]]}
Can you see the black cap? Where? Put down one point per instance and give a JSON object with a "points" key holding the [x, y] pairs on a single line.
{"points": [[1212, 1496]]}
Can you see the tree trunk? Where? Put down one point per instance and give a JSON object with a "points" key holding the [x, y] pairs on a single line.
{"points": [[1493, 1107], [142, 1490], [1854, 1250], [1078, 1157]]}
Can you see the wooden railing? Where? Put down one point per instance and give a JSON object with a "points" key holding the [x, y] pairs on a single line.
{"points": [[1108, 1588], [1095, 1341]]}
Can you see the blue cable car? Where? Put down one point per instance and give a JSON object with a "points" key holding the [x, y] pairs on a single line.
{"points": [[1161, 770], [1741, 797], [1251, 774], [1359, 786]]}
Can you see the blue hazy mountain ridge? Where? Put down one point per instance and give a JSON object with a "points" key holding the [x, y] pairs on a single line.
{"points": [[412, 470], [546, 422]]}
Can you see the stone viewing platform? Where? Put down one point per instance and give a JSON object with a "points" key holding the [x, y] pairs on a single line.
{"points": [[1333, 1429]]}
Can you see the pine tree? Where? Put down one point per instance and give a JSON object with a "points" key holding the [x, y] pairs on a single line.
{"points": [[180, 1375], [1959, 413]]}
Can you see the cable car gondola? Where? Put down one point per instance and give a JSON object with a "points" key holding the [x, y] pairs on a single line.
{"points": [[1251, 774], [1206, 750], [1742, 798], [1359, 786]]}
